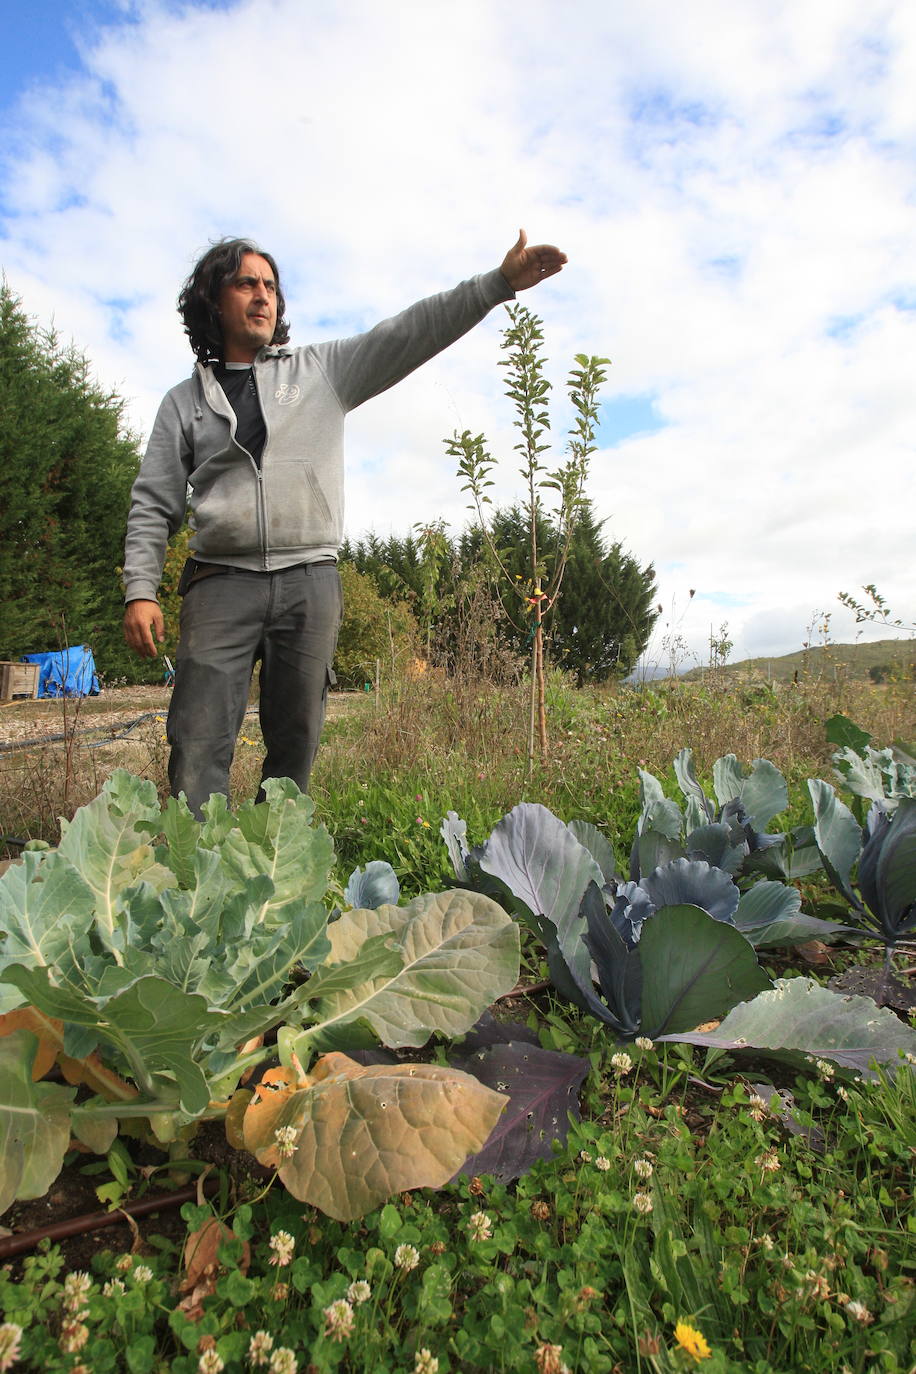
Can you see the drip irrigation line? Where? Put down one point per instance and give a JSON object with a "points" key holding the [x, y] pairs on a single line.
{"points": [[96, 1221], [37, 742]]}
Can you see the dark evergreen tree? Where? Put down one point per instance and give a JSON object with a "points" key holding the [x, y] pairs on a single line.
{"points": [[600, 624], [66, 469]]}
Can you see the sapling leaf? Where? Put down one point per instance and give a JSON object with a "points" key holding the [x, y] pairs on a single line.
{"points": [[801, 1021]]}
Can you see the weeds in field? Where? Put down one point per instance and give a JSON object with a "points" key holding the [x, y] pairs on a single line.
{"points": [[691, 1210]]}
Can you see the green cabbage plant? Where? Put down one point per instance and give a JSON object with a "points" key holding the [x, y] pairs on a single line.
{"points": [[150, 954]]}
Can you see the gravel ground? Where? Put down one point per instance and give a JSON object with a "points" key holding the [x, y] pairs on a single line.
{"points": [[108, 713]]}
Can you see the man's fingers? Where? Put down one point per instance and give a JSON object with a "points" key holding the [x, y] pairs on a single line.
{"points": [[141, 620]]}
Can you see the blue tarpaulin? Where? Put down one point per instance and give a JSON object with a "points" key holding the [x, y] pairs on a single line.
{"points": [[66, 672]]}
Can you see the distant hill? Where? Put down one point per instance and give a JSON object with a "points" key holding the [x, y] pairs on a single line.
{"points": [[855, 662]]}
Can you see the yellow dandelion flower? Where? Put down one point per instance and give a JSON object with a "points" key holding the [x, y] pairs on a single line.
{"points": [[693, 1341]]}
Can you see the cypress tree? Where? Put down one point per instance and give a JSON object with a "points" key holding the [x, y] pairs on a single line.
{"points": [[66, 468]]}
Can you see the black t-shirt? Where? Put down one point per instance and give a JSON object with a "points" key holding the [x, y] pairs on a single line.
{"points": [[241, 393]]}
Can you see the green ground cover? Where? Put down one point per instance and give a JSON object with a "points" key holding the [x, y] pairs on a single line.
{"points": [[709, 1210]]}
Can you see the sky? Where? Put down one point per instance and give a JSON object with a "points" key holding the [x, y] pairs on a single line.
{"points": [[734, 184]]}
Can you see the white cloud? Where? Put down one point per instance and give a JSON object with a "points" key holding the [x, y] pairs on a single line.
{"points": [[734, 185]]}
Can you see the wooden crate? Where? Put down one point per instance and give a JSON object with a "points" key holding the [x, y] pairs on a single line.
{"points": [[18, 680]]}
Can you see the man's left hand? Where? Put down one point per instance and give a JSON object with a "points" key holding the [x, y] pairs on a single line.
{"points": [[523, 266]]}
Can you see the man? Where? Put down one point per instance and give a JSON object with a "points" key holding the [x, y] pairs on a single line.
{"points": [[256, 433]]}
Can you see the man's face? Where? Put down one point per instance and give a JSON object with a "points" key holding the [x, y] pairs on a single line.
{"points": [[248, 309]]}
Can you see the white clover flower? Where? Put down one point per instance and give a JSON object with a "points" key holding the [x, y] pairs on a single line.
{"points": [[286, 1137], [359, 1292], [643, 1169], [602, 1163], [77, 1284], [142, 1274], [621, 1063], [825, 1069], [211, 1362], [406, 1257], [338, 1319], [642, 1202], [259, 1348], [10, 1336], [73, 1336], [480, 1226], [113, 1289], [859, 1311], [123, 1263], [758, 1106], [283, 1361], [643, 1042], [425, 1362], [548, 1359], [768, 1162], [585, 1157], [282, 1244]]}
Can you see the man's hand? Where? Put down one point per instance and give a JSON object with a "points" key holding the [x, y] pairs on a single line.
{"points": [[142, 620], [523, 266]]}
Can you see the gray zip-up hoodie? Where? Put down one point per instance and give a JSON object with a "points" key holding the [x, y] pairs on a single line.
{"points": [[290, 510]]}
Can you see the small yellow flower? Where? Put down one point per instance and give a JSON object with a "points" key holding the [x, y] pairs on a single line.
{"points": [[692, 1341]]}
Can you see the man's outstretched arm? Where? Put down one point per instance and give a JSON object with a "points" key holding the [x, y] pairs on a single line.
{"points": [[523, 266]]}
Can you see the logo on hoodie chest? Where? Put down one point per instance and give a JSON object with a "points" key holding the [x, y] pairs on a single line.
{"points": [[287, 394]]}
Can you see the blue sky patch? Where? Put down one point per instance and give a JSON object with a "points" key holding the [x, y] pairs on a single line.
{"points": [[626, 416]]}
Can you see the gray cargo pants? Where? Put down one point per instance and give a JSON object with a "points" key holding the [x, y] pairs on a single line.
{"points": [[289, 620]]}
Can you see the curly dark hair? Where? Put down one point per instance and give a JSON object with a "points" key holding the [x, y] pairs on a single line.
{"points": [[198, 303]]}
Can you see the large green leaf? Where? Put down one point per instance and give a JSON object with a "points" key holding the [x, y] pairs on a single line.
{"points": [[364, 1133], [45, 910], [108, 843], [770, 914], [762, 791], [459, 951], [838, 836], [277, 838], [700, 810], [542, 865], [800, 1020], [693, 969], [895, 876], [151, 1023], [34, 1122], [597, 844]]}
